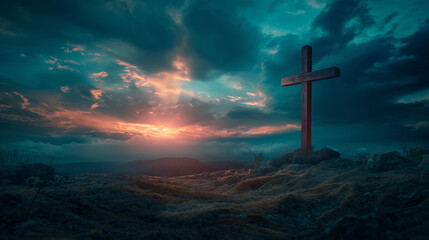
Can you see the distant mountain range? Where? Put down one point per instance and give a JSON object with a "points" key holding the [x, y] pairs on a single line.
{"points": [[159, 167]]}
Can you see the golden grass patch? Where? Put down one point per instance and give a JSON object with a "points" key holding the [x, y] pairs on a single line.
{"points": [[252, 183], [164, 191]]}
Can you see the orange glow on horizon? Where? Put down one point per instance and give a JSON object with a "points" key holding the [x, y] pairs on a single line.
{"points": [[91, 121], [69, 120]]}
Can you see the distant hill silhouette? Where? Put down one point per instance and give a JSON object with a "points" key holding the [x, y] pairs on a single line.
{"points": [[224, 165], [167, 167], [88, 167]]}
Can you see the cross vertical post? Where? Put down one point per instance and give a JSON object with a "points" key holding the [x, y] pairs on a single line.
{"points": [[306, 100]]}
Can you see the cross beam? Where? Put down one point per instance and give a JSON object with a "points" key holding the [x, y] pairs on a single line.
{"points": [[306, 78], [312, 76]]}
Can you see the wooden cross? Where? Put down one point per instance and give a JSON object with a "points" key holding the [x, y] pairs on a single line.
{"points": [[306, 78]]}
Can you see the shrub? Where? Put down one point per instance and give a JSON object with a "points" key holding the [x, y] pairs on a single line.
{"points": [[415, 153], [258, 159]]}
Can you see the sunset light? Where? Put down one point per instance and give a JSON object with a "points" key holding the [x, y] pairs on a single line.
{"points": [[205, 77], [200, 119]]}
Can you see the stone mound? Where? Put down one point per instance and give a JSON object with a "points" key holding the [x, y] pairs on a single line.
{"points": [[304, 157], [388, 161]]}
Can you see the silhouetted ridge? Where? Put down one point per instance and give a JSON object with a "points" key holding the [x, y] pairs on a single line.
{"points": [[156, 167], [166, 167]]}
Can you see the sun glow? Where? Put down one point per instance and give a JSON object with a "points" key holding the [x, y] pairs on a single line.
{"points": [[167, 86], [68, 120]]}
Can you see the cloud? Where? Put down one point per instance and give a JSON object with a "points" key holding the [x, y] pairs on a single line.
{"points": [[99, 75], [218, 38], [92, 124], [165, 85], [208, 71], [94, 106], [375, 73], [5, 28], [316, 4], [340, 24], [260, 103], [64, 88], [99, 22], [96, 93], [59, 64]]}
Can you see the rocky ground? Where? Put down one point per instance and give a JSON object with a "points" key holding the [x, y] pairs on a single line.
{"points": [[334, 198]]}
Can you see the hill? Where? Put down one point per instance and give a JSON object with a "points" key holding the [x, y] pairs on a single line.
{"points": [[165, 167], [384, 196], [168, 167]]}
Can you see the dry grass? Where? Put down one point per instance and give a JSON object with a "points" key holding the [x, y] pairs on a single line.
{"points": [[303, 203], [252, 183], [169, 191]]}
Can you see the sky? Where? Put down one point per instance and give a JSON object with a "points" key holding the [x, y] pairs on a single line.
{"points": [[121, 80]]}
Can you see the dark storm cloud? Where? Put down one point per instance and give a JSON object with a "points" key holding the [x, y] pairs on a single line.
{"points": [[371, 84], [285, 63], [132, 105], [104, 135], [375, 74], [340, 24], [255, 117], [194, 111], [54, 97], [359, 93], [52, 80], [358, 103], [145, 25], [21, 119], [214, 36], [415, 52], [287, 59], [17, 122], [390, 17], [219, 38]]}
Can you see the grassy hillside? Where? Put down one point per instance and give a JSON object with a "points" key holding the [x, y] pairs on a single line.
{"points": [[335, 199]]}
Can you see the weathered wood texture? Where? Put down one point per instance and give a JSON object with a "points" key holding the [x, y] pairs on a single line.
{"points": [[307, 59], [306, 100], [312, 76], [306, 116]]}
